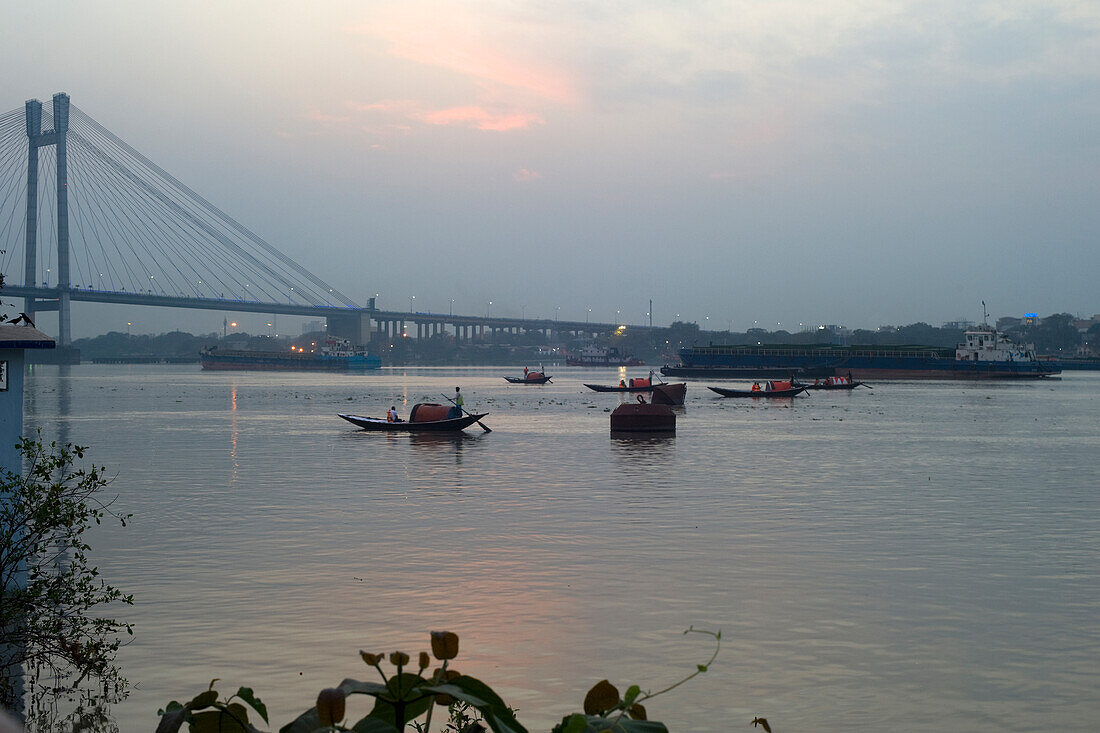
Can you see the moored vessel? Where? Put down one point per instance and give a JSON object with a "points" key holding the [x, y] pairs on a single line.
{"points": [[601, 356], [985, 354], [334, 355]]}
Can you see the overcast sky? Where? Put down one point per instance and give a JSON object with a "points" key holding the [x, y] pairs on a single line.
{"points": [[778, 161]]}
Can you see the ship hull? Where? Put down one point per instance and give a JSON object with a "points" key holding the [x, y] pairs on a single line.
{"points": [[278, 362], [732, 363]]}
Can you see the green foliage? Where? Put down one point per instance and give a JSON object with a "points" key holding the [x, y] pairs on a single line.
{"points": [[405, 699], [51, 596], [1051, 335]]}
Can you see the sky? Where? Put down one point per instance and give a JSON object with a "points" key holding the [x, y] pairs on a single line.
{"points": [[739, 163]]}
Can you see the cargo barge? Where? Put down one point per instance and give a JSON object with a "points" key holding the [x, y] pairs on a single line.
{"points": [[986, 354], [336, 355], [601, 356]]}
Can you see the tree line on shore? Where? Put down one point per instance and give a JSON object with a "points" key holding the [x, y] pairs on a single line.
{"points": [[1054, 334]]}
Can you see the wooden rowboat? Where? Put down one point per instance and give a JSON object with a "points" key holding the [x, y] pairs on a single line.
{"points": [[528, 380], [428, 426], [760, 393], [616, 388], [829, 385]]}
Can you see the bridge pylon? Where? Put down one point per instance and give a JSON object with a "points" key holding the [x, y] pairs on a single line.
{"points": [[36, 139]]}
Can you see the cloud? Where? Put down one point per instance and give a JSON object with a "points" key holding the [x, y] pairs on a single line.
{"points": [[319, 116], [525, 174], [481, 119], [398, 116], [491, 50]]}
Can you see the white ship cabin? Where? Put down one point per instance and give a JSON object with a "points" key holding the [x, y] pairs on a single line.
{"points": [[985, 343], [339, 347]]}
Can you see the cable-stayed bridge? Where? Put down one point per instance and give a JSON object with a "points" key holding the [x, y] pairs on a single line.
{"points": [[86, 217]]}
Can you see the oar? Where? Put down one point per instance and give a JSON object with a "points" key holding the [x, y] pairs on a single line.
{"points": [[864, 384], [483, 425]]}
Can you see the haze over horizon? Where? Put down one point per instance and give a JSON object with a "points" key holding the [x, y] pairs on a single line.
{"points": [[860, 163]]}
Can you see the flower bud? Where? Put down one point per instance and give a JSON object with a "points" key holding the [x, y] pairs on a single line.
{"points": [[602, 697], [330, 706], [444, 644], [372, 659], [399, 659], [425, 661], [444, 700], [450, 674]]}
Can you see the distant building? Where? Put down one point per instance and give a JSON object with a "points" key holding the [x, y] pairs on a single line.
{"points": [[887, 329], [312, 326], [958, 325], [1084, 324]]}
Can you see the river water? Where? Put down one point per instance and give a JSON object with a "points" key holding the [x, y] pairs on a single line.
{"points": [[912, 557]]}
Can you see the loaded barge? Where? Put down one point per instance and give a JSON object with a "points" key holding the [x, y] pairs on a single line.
{"points": [[985, 354], [336, 355]]}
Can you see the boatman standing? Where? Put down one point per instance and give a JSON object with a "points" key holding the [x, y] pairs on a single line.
{"points": [[459, 402]]}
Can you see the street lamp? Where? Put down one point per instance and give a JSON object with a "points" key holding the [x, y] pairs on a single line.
{"points": [[411, 299], [451, 310], [487, 306], [587, 315], [556, 309]]}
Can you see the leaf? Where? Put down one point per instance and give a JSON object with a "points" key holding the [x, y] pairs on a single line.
{"points": [[307, 722], [631, 695], [204, 699], [602, 697], [355, 687], [171, 721], [373, 725], [596, 724], [476, 693], [216, 721], [246, 694], [575, 723]]}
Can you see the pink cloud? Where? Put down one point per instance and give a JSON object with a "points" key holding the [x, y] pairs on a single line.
{"points": [[319, 116], [482, 119], [525, 174], [491, 52]]}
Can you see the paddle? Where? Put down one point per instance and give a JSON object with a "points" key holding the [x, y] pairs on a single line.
{"points": [[481, 424]]}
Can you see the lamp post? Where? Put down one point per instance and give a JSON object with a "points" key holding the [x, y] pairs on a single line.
{"points": [[451, 310], [487, 307], [587, 315], [556, 309], [411, 299]]}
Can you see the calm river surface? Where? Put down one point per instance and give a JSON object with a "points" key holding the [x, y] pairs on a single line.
{"points": [[920, 556]]}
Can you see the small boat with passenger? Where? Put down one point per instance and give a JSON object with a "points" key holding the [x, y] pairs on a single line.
{"points": [[424, 417], [834, 383], [529, 377], [770, 390], [640, 384]]}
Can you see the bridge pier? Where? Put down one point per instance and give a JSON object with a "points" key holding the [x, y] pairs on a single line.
{"points": [[353, 326]]}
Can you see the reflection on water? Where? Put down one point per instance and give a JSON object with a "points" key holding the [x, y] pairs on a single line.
{"points": [[883, 559]]}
